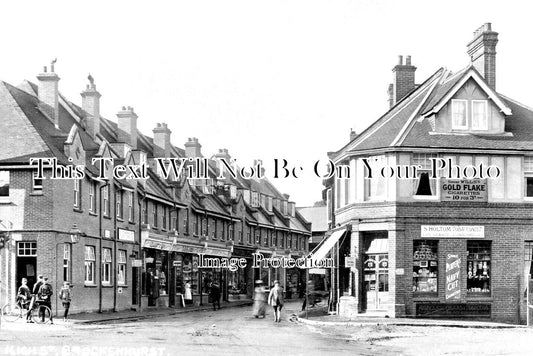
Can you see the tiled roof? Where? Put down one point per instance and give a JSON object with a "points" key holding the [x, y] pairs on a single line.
{"points": [[317, 216]]}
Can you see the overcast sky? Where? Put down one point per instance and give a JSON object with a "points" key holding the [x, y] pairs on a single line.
{"points": [[264, 79]]}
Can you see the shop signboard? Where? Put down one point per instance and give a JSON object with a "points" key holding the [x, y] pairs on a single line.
{"points": [[453, 231], [136, 263], [126, 235], [349, 262], [461, 190], [453, 271]]}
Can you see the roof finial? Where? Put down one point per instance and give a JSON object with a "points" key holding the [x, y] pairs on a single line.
{"points": [[91, 79]]}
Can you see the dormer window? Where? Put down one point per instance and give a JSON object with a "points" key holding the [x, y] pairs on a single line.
{"points": [[459, 118], [479, 115], [478, 118]]}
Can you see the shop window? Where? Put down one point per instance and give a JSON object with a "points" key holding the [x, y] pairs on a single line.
{"points": [[66, 262], [131, 209], [92, 197], [118, 198], [459, 117], [121, 267], [478, 267], [425, 266], [528, 265], [37, 184], [77, 194], [106, 266], [27, 249], [4, 183], [90, 260]]}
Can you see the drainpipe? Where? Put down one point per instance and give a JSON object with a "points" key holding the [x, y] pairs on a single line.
{"points": [[139, 273], [106, 184], [115, 233]]}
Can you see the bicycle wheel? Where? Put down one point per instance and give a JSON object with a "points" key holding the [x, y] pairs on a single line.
{"points": [[41, 314], [11, 312]]}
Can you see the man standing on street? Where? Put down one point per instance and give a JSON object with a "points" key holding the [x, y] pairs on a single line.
{"points": [[45, 296], [214, 295]]}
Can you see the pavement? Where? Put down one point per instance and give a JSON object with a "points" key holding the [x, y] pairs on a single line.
{"points": [[133, 315], [318, 316]]}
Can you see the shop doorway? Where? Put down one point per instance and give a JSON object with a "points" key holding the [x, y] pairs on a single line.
{"points": [[376, 273], [26, 264], [376, 268]]}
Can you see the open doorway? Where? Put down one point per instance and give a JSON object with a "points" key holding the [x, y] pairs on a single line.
{"points": [[26, 264]]}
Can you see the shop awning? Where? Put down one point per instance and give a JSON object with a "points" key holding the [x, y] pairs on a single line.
{"points": [[323, 249]]}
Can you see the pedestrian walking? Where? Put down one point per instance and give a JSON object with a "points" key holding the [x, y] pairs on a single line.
{"points": [[66, 296], [24, 298], [45, 296], [310, 294], [188, 293], [259, 308], [214, 295], [275, 299], [35, 292]]}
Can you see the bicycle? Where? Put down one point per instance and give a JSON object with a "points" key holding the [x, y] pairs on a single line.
{"points": [[40, 314]]}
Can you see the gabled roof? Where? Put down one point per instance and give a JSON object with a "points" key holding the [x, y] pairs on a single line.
{"points": [[407, 123], [317, 216]]}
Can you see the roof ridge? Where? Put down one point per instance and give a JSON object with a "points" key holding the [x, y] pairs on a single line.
{"points": [[409, 124], [398, 107]]}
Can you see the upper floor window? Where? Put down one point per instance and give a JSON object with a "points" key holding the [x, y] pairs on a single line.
{"points": [[77, 193], [479, 115], [528, 176], [130, 206], [106, 200], [375, 187], [4, 183], [92, 197], [255, 199], [459, 117], [37, 184], [118, 198], [155, 216], [424, 185]]}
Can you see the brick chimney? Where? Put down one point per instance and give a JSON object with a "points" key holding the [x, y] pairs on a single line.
{"points": [[90, 103], [482, 52], [403, 80], [193, 148], [353, 134], [127, 126], [161, 140], [48, 93], [223, 153]]}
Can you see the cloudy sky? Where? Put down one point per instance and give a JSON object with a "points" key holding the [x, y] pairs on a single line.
{"points": [[264, 79]]}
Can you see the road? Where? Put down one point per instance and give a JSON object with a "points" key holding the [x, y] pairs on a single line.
{"points": [[227, 331]]}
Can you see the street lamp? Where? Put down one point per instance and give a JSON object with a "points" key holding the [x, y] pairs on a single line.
{"points": [[75, 234]]}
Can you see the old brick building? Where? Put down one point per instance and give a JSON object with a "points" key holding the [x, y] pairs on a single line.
{"points": [[453, 243], [128, 241]]}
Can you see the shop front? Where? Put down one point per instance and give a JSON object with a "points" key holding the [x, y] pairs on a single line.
{"points": [[156, 271], [240, 282], [193, 280]]}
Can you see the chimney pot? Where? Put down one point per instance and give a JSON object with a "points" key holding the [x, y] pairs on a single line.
{"points": [[400, 60], [408, 60], [482, 52]]}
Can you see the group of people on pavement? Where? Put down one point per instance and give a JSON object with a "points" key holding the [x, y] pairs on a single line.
{"points": [[274, 299], [41, 295]]}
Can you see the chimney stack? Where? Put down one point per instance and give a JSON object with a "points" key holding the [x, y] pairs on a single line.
{"points": [[127, 126], [482, 52], [48, 93], [90, 103], [223, 153], [353, 134], [161, 140], [193, 148], [403, 80]]}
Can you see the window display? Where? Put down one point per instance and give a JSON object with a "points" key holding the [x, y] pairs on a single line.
{"points": [[425, 266], [478, 267]]}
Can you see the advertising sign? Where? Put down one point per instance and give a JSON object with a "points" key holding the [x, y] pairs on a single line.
{"points": [[126, 235], [454, 231], [472, 190], [453, 271]]}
